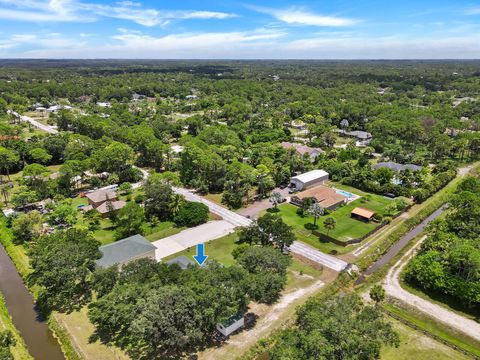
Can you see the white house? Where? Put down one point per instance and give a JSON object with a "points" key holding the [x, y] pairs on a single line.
{"points": [[104, 104], [231, 325], [308, 179]]}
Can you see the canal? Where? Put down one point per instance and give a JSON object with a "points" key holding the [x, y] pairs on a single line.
{"points": [[20, 304], [400, 244]]}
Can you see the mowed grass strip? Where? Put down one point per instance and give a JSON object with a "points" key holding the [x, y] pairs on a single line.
{"points": [[418, 346]]}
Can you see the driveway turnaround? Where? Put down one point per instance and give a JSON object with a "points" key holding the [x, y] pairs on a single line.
{"points": [[317, 256], [191, 237]]}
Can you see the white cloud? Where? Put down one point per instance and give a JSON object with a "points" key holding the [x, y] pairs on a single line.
{"points": [[298, 16], [259, 44], [73, 10], [473, 11]]}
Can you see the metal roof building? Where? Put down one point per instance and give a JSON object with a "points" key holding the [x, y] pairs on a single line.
{"points": [[308, 179], [123, 251]]}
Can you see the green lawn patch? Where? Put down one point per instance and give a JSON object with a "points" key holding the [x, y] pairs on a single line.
{"points": [[436, 329], [161, 230], [299, 274], [19, 351], [418, 346]]}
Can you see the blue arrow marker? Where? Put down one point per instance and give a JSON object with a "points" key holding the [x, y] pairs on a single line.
{"points": [[200, 257]]}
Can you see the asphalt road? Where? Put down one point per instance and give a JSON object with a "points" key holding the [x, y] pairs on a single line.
{"points": [[230, 217], [317, 256], [39, 125]]}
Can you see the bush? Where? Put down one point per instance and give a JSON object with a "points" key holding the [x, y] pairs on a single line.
{"points": [[191, 214], [140, 198]]}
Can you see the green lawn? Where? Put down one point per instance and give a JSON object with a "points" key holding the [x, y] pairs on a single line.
{"points": [[432, 326], [161, 230], [19, 351], [299, 274], [415, 345], [346, 227]]}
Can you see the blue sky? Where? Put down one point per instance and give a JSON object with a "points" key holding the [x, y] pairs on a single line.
{"points": [[232, 29]]}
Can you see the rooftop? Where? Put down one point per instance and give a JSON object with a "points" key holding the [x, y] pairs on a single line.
{"points": [[116, 205], [101, 195], [300, 148], [325, 196], [181, 261], [362, 212], [310, 176], [396, 166], [124, 250]]}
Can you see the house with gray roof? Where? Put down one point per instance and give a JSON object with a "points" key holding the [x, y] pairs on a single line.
{"points": [[181, 261], [396, 166], [123, 251]]}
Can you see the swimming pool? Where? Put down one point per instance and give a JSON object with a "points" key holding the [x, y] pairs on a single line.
{"points": [[345, 193]]}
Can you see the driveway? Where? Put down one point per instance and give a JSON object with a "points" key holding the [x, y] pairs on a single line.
{"points": [[198, 235], [255, 208]]}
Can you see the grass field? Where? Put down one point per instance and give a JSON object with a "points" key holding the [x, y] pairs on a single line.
{"points": [[347, 228], [415, 345], [433, 327], [299, 274], [19, 351]]}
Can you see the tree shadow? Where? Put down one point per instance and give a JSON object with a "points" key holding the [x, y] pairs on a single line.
{"points": [[273, 210], [310, 226]]}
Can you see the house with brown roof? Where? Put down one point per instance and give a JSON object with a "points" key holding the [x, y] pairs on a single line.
{"points": [[326, 197], [97, 198], [104, 208], [301, 149], [362, 214]]}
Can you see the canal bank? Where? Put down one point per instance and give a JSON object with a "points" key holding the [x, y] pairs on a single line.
{"points": [[33, 328]]}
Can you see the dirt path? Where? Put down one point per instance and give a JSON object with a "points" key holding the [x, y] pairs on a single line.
{"points": [[275, 314], [450, 318]]}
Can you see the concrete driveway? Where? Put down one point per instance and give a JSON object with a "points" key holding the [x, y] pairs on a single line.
{"points": [[198, 235], [254, 209]]}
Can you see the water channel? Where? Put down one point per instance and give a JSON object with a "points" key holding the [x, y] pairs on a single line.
{"points": [[20, 304], [400, 244]]}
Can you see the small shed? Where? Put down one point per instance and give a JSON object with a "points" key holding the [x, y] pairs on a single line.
{"points": [[362, 214], [308, 179], [231, 325], [123, 251], [181, 261]]}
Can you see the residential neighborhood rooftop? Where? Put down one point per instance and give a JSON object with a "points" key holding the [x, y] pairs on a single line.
{"points": [[396, 166], [310, 176], [101, 195], [181, 261], [124, 250]]}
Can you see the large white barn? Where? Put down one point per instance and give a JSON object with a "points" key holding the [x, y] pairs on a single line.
{"points": [[308, 179]]}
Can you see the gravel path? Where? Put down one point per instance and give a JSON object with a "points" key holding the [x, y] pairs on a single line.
{"points": [[450, 318]]}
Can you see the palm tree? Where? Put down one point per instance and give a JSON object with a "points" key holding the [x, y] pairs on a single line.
{"points": [[175, 203], [4, 189], [316, 211], [329, 224], [276, 198]]}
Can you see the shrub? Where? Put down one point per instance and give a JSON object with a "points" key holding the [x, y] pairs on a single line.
{"points": [[191, 214]]}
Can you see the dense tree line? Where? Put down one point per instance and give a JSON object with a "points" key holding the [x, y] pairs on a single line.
{"points": [[449, 259], [337, 328]]}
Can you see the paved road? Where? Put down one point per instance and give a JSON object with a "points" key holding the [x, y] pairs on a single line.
{"points": [[452, 319], [198, 235], [317, 256], [39, 125], [230, 216], [214, 230]]}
